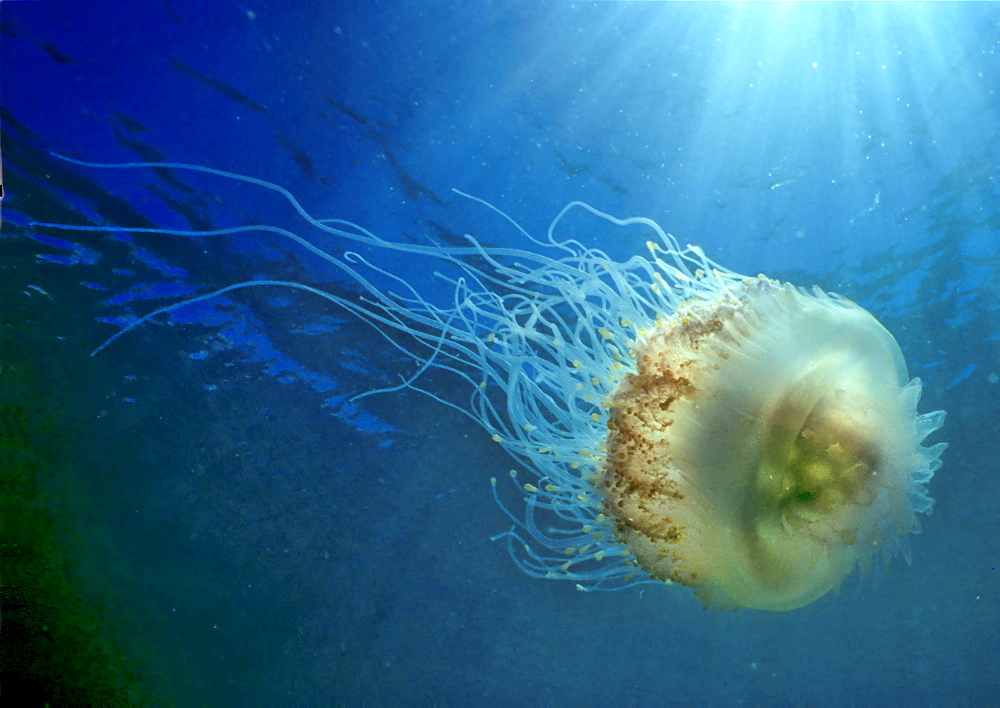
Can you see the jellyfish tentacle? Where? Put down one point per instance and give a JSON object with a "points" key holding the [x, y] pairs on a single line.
{"points": [[680, 422]]}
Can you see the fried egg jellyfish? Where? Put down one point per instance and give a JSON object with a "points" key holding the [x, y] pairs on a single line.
{"points": [[676, 421]]}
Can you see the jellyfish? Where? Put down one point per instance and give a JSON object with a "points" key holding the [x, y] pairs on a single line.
{"points": [[671, 421]]}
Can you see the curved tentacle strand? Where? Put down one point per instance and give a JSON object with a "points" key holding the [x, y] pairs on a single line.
{"points": [[679, 422]]}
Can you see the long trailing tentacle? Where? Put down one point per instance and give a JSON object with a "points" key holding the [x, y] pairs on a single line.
{"points": [[541, 337]]}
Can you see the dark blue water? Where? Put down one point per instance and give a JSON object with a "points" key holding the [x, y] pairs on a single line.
{"points": [[258, 539]]}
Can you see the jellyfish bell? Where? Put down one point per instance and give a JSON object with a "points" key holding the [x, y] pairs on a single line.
{"points": [[678, 422], [766, 443]]}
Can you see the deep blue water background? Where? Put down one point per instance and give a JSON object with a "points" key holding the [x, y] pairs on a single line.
{"points": [[261, 541]]}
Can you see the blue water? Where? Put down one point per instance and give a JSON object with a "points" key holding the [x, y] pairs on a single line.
{"points": [[262, 540]]}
